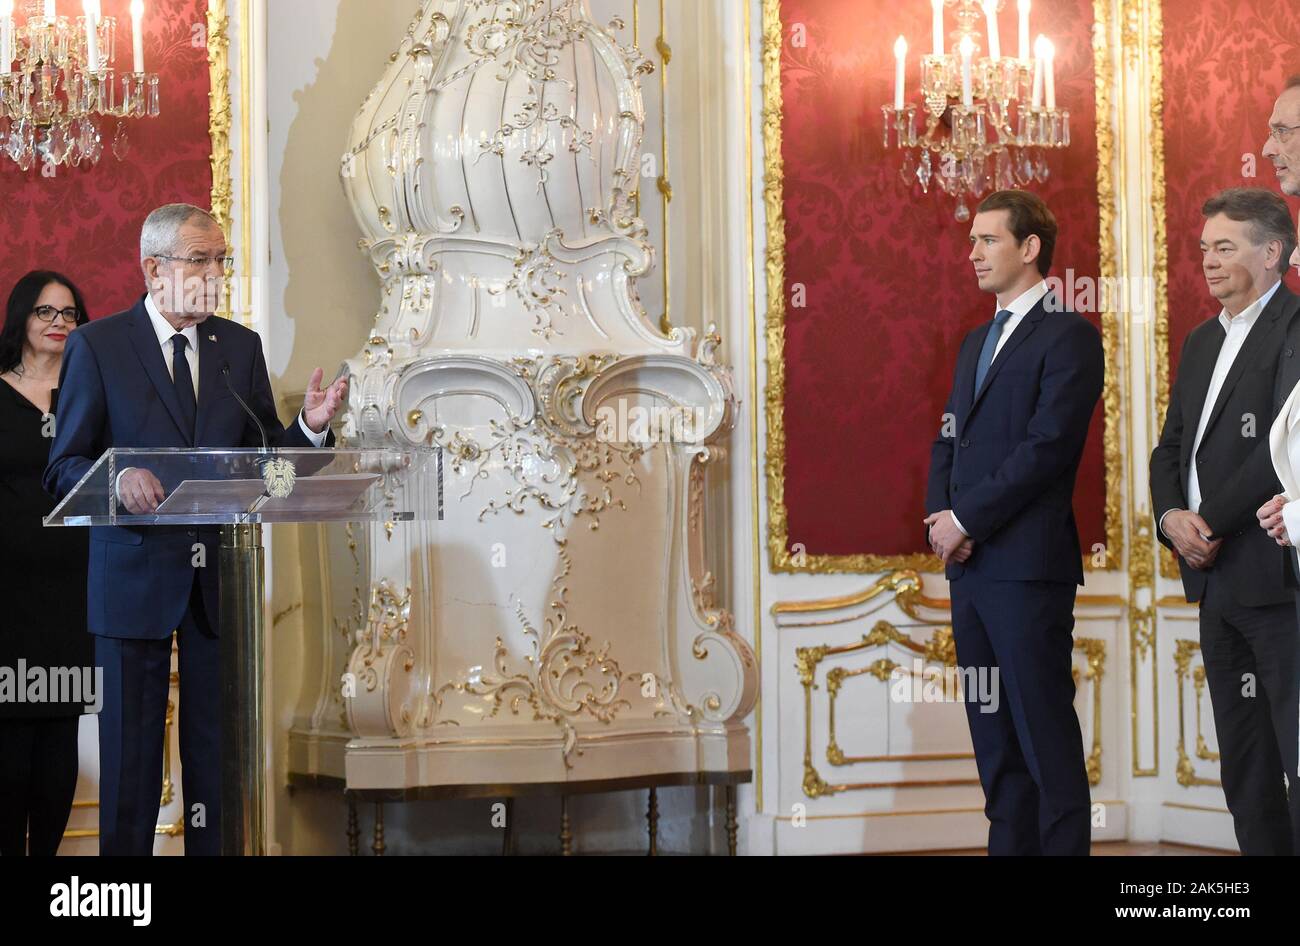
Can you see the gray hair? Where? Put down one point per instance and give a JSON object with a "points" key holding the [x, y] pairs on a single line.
{"points": [[161, 230], [1267, 214]]}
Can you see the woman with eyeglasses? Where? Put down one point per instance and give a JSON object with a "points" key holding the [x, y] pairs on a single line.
{"points": [[42, 578]]}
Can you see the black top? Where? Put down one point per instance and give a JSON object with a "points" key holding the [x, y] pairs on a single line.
{"points": [[42, 572]]}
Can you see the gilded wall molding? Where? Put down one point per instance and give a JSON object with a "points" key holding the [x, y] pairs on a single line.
{"points": [[219, 111], [1137, 54], [1104, 81], [779, 556], [1094, 652], [1160, 270], [904, 588], [219, 125], [938, 650], [1184, 652]]}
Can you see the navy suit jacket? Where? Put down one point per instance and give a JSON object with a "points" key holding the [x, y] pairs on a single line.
{"points": [[1006, 459], [115, 391]]}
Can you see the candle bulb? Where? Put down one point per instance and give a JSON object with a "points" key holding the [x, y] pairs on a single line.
{"points": [[1049, 74], [1023, 7], [6, 36], [90, 8], [1040, 53], [137, 33], [938, 26], [967, 49], [49, 11], [900, 55], [991, 15]]}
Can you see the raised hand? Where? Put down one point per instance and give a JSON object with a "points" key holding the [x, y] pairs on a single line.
{"points": [[319, 407]]}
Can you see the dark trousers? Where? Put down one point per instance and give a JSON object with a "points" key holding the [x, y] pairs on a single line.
{"points": [[1252, 658], [1029, 751], [38, 778], [131, 731]]}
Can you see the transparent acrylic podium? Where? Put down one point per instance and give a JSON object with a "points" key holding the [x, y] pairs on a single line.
{"points": [[240, 490]]}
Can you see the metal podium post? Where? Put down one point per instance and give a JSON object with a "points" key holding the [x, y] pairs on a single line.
{"points": [[243, 633]]}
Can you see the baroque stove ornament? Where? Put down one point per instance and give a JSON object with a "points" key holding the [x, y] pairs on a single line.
{"points": [[560, 623]]}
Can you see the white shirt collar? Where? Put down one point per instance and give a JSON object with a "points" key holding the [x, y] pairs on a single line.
{"points": [[1021, 305], [163, 329], [1251, 312]]}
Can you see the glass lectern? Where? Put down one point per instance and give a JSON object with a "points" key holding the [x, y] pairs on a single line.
{"points": [[240, 490]]}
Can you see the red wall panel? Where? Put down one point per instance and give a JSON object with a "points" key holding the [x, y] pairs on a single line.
{"points": [[869, 359], [85, 222], [1223, 64]]}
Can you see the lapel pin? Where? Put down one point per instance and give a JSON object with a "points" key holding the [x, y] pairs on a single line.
{"points": [[212, 338]]}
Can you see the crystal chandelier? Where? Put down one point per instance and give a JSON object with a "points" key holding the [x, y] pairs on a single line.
{"points": [[974, 140], [57, 82]]}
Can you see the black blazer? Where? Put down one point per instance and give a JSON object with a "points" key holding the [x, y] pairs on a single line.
{"points": [[42, 571], [1006, 466], [1233, 465]]}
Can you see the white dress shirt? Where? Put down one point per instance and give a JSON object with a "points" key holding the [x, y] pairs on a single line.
{"points": [[1019, 308], [1236, 330], [165, 332], [163, 329]]}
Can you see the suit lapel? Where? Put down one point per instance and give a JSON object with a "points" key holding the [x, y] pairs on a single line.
{"points": [[1023, 331], [1260, 333], [210, 382], [1197, 367], [145, 340], [965, 380]]}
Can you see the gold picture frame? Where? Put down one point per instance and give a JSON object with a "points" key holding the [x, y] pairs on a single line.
{"points": [[780, 558]]}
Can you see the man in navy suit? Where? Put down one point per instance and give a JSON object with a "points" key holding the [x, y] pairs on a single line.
{"points": [[1000, 516], [164, 374]]}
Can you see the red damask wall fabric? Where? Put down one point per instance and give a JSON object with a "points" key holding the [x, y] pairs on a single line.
{"points": [[85, 222], [1224, 62], [889, 292]]}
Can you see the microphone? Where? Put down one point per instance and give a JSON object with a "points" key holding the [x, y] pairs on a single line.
{"points": [[225, 373]]}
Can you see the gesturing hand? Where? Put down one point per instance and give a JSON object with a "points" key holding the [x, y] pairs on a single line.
{"points": [[319, 407]]}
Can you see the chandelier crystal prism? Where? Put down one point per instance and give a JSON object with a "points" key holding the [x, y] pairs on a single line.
{"points": [[989, 119], [58, 82]]}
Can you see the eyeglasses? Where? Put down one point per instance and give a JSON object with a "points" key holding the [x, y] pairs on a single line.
{"points": [[1281, 133], [203, 262], [46, 313]]}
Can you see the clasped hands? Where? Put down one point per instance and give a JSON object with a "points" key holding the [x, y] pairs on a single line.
{"points": [[1191, 537], [1270, 520], [947, 541]]}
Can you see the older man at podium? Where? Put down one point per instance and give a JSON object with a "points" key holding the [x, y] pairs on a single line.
{"points": [[165, 373]]}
